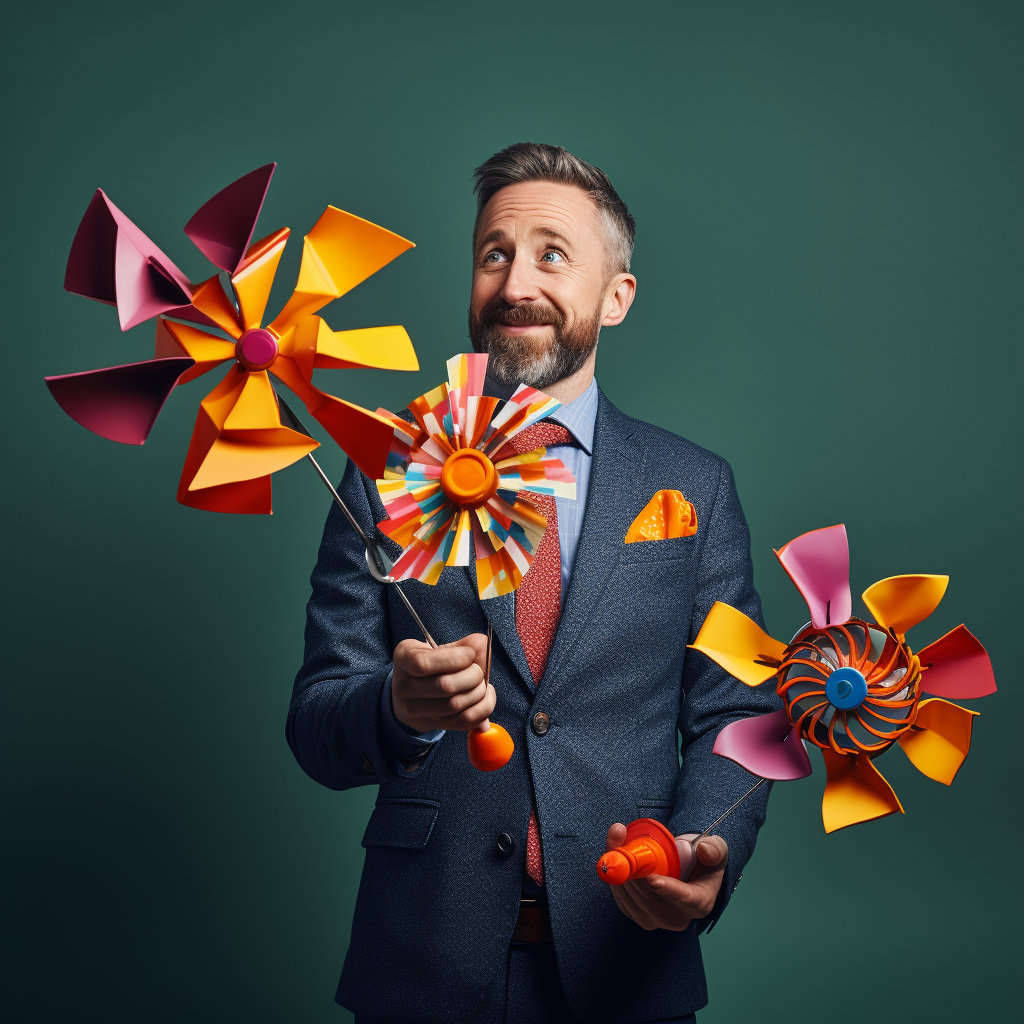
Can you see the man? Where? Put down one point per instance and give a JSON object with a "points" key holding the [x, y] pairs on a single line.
{"points": [[479, 899]]}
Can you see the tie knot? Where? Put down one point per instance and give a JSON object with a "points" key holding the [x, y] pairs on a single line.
{"points": [[545, 434]]}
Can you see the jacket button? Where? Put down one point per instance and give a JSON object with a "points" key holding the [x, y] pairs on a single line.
{"points": [[540, 723], [506, 844]]}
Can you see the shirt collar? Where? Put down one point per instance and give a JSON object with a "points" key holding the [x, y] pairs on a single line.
{"points": [[578, 417]]}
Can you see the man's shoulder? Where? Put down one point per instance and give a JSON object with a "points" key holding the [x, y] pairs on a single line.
{"points": [[658, 443]]}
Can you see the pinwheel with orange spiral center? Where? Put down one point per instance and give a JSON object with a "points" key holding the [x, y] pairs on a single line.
{"points": [[850, 687]]}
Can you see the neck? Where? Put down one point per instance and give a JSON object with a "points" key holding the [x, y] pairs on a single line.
{"points": [[569, 389]]}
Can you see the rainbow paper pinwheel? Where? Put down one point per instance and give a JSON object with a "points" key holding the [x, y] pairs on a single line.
{"points": [[239, 439], [850, 687], [453, 475]]}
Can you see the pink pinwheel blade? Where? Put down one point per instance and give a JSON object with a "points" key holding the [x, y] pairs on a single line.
{"points": [[112, 261], [90, 269], [958, 667], [120, 403], [818, 563], [767, 746], [143, 291], [222, 227]]}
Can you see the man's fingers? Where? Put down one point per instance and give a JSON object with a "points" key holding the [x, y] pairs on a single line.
{"points": [[616, 836], [443, 686], [445, 707], [418, 659], [695, 898], [713, 852], [440, 716], [626, 898]]}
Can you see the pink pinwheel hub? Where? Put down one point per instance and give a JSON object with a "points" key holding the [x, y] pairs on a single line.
{"points": [[256, 349]]}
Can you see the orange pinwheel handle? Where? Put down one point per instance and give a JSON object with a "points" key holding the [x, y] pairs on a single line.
{"points": [[490, 748], [649, 849]]}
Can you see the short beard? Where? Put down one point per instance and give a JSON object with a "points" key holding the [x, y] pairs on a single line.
{"points": [[517, 359]]}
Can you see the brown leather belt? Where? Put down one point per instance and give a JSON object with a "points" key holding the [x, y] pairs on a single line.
{"points": [[533, 923]]}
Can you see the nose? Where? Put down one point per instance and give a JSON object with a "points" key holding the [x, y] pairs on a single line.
{"points": [[520, 283]]}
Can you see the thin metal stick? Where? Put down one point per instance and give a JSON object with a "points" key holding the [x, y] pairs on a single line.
{"points": [[372, 551], [487, 661], [718, 821]]}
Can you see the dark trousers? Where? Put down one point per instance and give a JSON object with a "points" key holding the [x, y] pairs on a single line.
{"points": [[535, 993]]}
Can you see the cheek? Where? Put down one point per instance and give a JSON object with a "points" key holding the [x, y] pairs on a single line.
{"points": [[483, 289], [573, 295]]}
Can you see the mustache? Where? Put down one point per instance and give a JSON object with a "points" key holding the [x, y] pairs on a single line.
{"points": [[498, 311]]}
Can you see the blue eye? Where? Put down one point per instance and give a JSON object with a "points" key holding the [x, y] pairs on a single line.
{"points": [[555, 256], [494, 256]]}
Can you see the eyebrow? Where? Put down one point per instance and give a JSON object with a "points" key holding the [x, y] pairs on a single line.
{"points": [[497, 234]]}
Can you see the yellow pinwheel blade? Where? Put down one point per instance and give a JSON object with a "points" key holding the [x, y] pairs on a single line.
{"points": [[209, 298], [900, 602], [855, 791], [739, 645], [253, 279], [382, 348], [940, 740], [206, 349], [339, 252], [255, 406]]}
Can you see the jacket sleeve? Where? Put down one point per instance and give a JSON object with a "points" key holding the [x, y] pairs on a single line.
{"points": [[708, 784], [334, 723]]}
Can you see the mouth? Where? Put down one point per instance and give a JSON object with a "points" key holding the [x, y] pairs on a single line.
{"points": [[520, 329]]}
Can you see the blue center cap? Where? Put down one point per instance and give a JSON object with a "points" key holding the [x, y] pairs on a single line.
{"points": [[846, 688]]}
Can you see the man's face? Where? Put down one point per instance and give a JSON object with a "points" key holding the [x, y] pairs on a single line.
{"points": [[542, 283]]}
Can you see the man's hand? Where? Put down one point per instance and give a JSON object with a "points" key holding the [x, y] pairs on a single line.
{"points": [[442, 687], [660, 902]]}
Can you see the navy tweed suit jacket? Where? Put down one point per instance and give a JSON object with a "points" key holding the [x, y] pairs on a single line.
{"points": [[437, 900]]}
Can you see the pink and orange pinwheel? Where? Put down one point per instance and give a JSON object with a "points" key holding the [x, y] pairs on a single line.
{"points": [[850, 687], [454, 475], [239, 439]]}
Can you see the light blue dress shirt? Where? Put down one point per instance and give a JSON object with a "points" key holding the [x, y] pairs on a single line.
{"points": [[578, 417]]}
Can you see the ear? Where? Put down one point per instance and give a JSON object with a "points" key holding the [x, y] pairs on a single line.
{"points": [[618, 297]]}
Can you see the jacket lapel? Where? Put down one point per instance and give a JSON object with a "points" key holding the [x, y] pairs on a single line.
{"points": [[615, 469], [613, 473], [501, 613]]}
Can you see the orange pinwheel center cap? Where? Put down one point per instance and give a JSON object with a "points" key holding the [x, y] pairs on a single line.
{"points": [[256, 349], [469, 477]]}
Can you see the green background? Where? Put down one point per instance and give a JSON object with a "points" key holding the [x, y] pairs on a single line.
{"points": [[829, 256]]}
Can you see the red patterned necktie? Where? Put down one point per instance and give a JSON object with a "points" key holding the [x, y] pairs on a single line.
{"points": [[539, 598]]}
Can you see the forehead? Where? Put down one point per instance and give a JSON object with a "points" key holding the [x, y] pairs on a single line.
{"points": [[540, 208]]}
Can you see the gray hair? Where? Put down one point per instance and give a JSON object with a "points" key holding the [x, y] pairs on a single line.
{"points": [[536, 161]]}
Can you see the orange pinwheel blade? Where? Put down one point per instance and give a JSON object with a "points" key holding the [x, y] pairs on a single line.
{"points": [[855, 792], [255, 276], [251, 441], [739, 645], [209, 298], [252, 497], [173, 339], [339, 252], [362, 435], [899, 602], [382, 348], [940, 740]]}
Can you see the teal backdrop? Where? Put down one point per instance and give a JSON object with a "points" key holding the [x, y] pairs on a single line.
{"points": [[828, 199]]}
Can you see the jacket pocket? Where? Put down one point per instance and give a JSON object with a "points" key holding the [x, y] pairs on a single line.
{"points": [[660, 810], [402, 822], [666, 550]]}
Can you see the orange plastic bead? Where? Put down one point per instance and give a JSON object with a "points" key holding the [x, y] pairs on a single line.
{"points": [[490, 749]]}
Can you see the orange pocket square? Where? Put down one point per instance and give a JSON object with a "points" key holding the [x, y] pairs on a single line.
{"points": [[667, 514]]}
